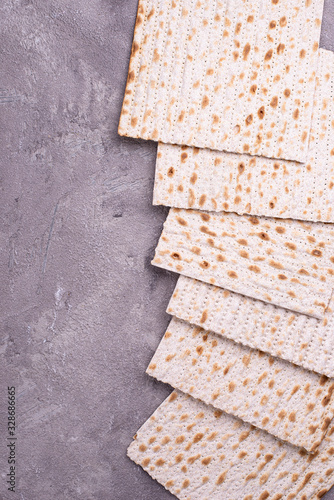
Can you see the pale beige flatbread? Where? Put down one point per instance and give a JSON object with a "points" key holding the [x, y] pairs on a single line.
{"points": [[189, 177], [233, 76], [293, 404], [286, 263], [199, 453], [300, 339]]}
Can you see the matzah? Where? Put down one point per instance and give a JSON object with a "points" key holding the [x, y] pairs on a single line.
{"points": [[203, 179], [294, 404], [289, 264], [199, 453], [232, 76], [300, 339]]}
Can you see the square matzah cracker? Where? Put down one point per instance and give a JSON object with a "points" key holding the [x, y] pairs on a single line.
{"points": [[291, 403], [300, 339], [286, 263], [199, 453], [189, 177], [234, 76]]}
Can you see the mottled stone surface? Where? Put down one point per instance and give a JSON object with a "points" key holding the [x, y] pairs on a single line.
{"points": [[82, 308]]}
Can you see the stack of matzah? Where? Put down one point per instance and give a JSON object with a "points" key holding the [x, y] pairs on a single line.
{"points": [[241, 100]]}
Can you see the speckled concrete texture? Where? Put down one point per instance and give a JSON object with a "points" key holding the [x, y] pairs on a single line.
{"points": [[82, 308]]}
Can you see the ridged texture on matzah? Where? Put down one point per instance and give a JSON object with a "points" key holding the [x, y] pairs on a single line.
{"points": [[235, 75], [291, 403], [300, 339], [189, 177], [287, 263], [199, 453]]}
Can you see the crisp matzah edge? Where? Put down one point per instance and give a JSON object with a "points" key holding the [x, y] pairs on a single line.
{"points": [[132, 62], [174, 307], [160, 260], [325, 415], [302, 156], [325, 485]]}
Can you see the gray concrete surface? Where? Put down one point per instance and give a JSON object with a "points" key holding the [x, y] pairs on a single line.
{"points": [[82, 308]]}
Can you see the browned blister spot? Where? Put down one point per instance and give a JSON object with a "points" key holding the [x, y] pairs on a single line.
{"points": [[182, 221], [202, 200], [231, 387], [296, 114], [184, 156], [205, 101], [246, 51], [131, 76], [244, 254], [304, 272], [264, 236], [261, 113], [185, 483], [316, 253], [232, 274], [272, 24], [204, 316], [172, 397], [287, 92], [268, 55], [206, 230], [159, 462], [249, 119], [253, 89], [198, 437], [221, 258], [200, 349], [280, 48], [246, 359], [206, 461], [282, 414], [250, 476], [274, 102], [291, 246], [238, 28], [205, 217], [254, 220], [255, 269], [156, 55], [221, 478], [193, 178], [181, 117]]}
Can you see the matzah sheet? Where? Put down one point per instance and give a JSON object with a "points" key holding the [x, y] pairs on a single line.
{"points": [[286, 263], [189, 177], [294, 404], [300, 339], [199, 453], [234, 76]]}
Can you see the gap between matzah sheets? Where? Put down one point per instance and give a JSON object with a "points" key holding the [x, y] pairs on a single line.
{"points": [[199, 453], [203, 179], [232, 76], [285, 400], [286, 263], [300, 339]]}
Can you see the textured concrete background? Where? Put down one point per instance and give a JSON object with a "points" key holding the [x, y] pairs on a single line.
{"points": [[82, 308]]}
